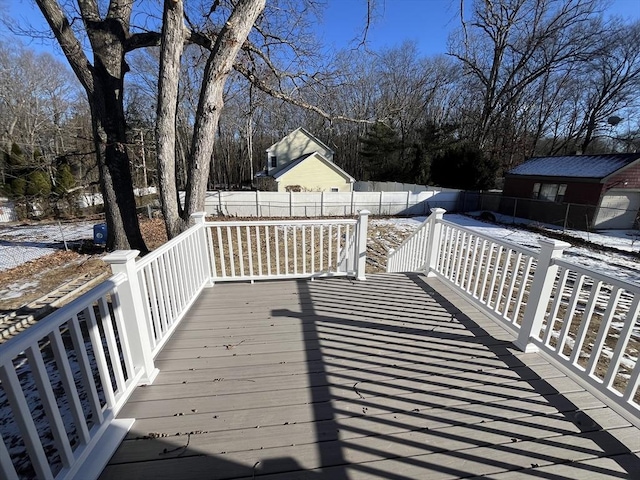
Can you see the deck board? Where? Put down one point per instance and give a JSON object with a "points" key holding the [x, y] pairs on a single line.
{"points": [[396, 377]]}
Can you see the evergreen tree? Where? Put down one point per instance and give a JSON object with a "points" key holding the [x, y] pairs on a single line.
{"points": [[38, 184], [64, 179], [465, 167], [379, 151]]}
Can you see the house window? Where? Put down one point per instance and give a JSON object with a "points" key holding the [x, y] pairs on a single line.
{"points": [[551, 192], [335, 189], [273, 161]]}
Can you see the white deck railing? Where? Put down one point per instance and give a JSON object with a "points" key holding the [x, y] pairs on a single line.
{"points": [[582, 320], [63, 380], [260, 250]]}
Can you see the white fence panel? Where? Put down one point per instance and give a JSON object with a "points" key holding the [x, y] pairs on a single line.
{"points": [[326, 204]]}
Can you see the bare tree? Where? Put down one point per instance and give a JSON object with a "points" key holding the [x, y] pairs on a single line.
{"points": [[508, 45], [108, 37]]}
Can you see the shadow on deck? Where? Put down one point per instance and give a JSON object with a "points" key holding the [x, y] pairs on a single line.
{"points": [[396, 377]]}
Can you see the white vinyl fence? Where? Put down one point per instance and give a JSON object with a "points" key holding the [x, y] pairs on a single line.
{"points": [[326, 204], [64, 380], [582, 320]]}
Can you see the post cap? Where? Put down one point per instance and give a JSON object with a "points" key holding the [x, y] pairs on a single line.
{"points": [[121, 256], [553, 243]]}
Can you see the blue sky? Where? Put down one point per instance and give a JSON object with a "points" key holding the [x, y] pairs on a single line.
{"points": [[427, 22]]}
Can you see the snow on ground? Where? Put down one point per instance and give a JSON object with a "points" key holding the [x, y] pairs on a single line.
{"points": [[619, 265], [22, 243]]}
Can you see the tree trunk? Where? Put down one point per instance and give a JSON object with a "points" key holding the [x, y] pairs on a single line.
{"points": [[104, 82], [219, 65], [168, 83]]}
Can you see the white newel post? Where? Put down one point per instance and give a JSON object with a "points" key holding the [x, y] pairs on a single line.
{"points": [[433, 242], [361, 245], [540, 293], [390, 260], [199, 219], [124, 261]]}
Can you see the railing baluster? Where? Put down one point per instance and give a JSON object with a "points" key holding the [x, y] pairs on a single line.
{"points": [[155, 309], [212, 253], [157, 280], [223, 266], [231, 253], [267, 238], [568, 316], [623, 340], [512, 284], [68, 383], [295, 249], [240, 251], [259, 245], [329, 245], [7, 471], [494, 277], [487, 269], [249, 250], [165, 279], [586, 321], [563, 274], [85, 370], [22, 417], [49, 404], [603, 330], [522, 289], [338, 249], [176, 289], [503, 279], [285, 240], [100, 357], [304, 249], [276, 246], [112, 347], [313, 248], [321, 246], [481, 263]]}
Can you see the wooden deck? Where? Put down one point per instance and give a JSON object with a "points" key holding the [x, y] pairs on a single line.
{"points": [[396, 377]]}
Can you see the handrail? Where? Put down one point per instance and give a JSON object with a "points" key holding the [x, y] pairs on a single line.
{"points": [[18, 343], [513, 246]]}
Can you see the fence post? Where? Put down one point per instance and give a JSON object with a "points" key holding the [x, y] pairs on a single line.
{"points": [[433, 244], [361, 244], [135, 319], [380, 203], [291, 203], [199, 219], [257, 204], [322, 203], [566, 218], [540, 293], [352, 192]]}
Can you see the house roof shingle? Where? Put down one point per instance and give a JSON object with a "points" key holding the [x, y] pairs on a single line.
{"points": [[580, 166]]}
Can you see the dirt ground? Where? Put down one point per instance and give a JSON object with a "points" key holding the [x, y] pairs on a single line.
{"points": [[45, 274]]}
